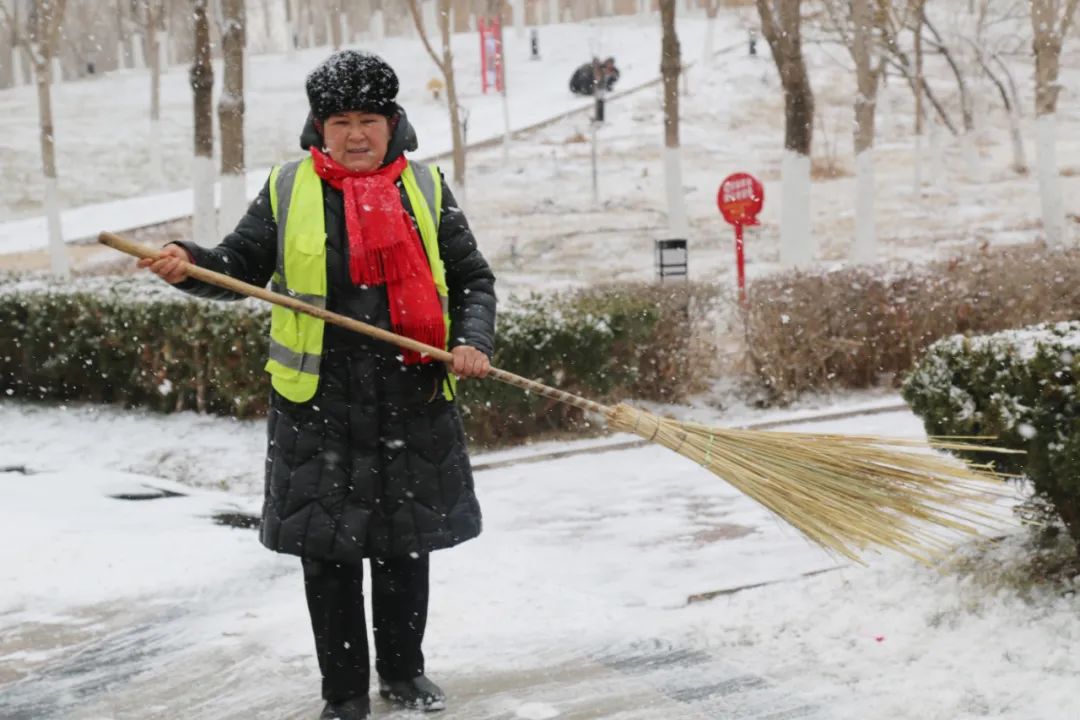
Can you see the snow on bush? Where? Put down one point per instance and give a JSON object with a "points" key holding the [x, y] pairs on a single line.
{"points": [[1016, 385], [137, 342]]}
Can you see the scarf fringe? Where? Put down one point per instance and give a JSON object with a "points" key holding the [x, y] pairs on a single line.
{"points": [[383, 267], [385, 249]]}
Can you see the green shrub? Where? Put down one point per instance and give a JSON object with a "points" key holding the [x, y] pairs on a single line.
{"points": [[131, 342], [140, 343], [608, 344], [1019, 386]]}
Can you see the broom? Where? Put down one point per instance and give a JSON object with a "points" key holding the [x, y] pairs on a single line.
{"points": [[845, 493]]}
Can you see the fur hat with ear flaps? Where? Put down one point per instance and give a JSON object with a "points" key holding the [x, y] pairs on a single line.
{"points": [[352, 81]]}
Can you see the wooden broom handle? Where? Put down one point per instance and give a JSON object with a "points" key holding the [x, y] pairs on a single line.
{"points": [[239, 286]]}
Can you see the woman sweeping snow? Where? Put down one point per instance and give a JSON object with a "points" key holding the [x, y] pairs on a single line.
{"points": [[367, 454]]}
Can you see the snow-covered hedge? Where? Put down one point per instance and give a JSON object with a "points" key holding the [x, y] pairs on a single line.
{"points": [[137, 342], [1019, 386], [130, 341]]}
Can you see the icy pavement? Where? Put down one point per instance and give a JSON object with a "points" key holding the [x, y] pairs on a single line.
{"points": [[572, 604]]}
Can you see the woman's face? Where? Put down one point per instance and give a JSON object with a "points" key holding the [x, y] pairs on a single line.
{"points": [[357, 140]]}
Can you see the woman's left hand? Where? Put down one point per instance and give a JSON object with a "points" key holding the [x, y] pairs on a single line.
{"points": [[469, 362]]}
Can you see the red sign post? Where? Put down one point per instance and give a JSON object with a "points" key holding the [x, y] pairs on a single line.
{"points": [[740, 199], [491, 49]]}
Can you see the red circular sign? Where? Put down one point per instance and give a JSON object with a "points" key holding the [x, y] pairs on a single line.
{"points": [[740, 199]]}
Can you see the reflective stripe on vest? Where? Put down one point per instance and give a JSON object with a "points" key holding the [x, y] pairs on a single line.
{"points": [[296, 200]]}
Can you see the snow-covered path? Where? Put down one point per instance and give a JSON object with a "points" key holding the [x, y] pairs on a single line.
{"points": [[572, 604]]}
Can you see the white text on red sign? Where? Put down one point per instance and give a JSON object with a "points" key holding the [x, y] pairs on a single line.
{"points": [[742, 189]]}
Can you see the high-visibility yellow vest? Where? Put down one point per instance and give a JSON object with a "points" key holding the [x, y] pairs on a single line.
{"points": [[296, 199]]}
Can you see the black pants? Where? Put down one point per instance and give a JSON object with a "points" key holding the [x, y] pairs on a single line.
{"points": [[399, 601]]}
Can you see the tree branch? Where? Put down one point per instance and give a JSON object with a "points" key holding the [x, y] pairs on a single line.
{"points": [[1066, 20], [1012, 84], [5, 15], [415, 12]]}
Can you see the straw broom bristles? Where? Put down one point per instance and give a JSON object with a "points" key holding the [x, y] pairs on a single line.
{"points": [[843, 492]]}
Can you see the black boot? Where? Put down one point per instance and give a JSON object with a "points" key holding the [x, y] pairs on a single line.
{"points": [[357, 708], [418, 693]]}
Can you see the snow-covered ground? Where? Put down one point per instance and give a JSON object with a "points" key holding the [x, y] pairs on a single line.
{"points": [[572, 604], [533, 213], [104, 136], [574, 601]]}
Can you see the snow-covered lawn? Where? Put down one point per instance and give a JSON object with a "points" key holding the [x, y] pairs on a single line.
{"points": [[533, 213], [103, 132], [572, 604]]}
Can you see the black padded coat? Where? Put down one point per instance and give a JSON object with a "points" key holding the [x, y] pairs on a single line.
{"points": [[375, 465]]}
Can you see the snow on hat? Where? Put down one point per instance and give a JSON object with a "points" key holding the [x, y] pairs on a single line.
{"points": [[352, 81]]}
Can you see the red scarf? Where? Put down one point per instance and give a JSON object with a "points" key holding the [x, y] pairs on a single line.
{"points": [[384, 247]]}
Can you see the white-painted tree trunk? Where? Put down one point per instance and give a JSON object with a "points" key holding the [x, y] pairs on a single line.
{"points": [[431, 18], [204, 217], [346, 36], [796, 249], [157, 165], [519, 18], [291, 35], [57, 71], [1019, 162], [865, 248], [609, 8], [1053, 208], [918, 165], [233, 203], [138, 57], [58, 257], [676, 202], [937, 165], [121, 54], [971, 155], [710, 40], [164, 53], [378, 25], [553, 12], [18, 74]]}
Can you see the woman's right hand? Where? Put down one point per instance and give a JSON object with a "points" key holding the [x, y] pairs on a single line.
{"points": [[170, 264]]}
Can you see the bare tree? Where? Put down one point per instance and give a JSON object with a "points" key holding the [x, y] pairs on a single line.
{"points": [[917, 89], [868, 79], [151, 16], [670, 66], [1050, 20], [335, 17], [446, 67], [891, 26], [202, 87], [781, 25], [291, 29], [231, 115], [855, 22], [967, 104], [122, 32], [712, 9], [10, 21], [44, 29], [998, 73]]}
